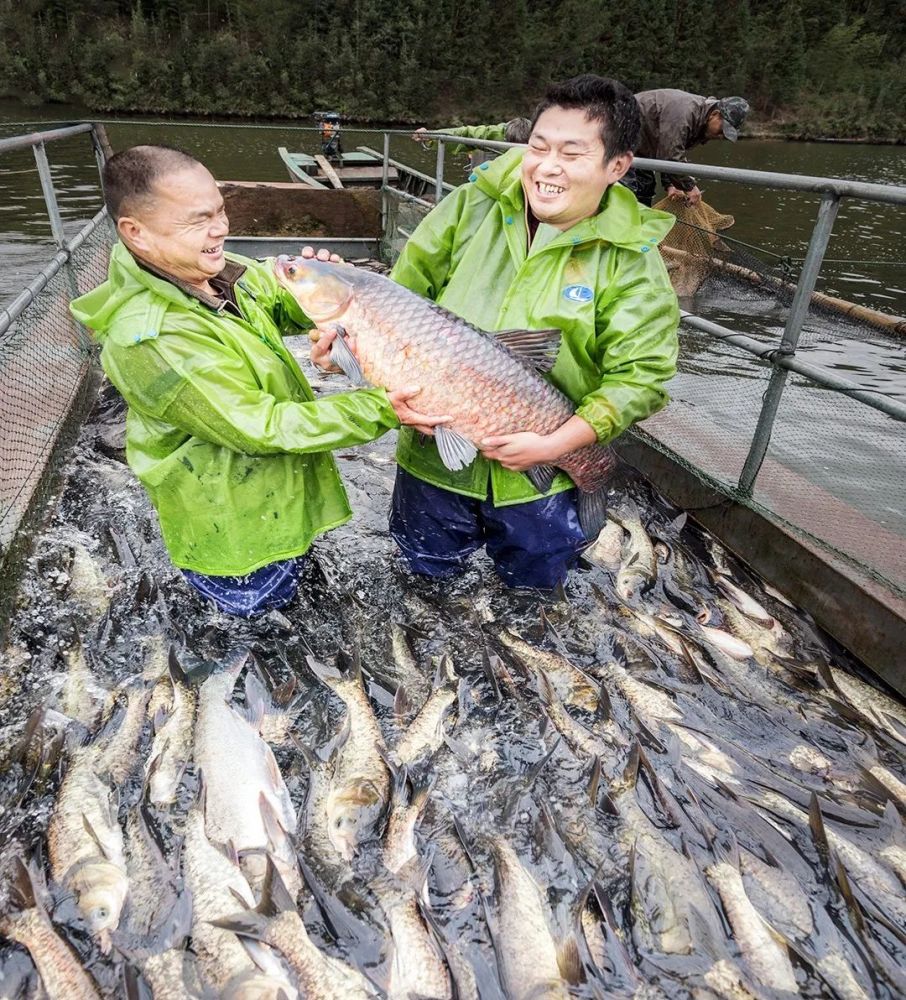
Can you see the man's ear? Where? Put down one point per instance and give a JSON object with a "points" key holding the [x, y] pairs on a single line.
{"points": [[131, 232], [617, 167]]}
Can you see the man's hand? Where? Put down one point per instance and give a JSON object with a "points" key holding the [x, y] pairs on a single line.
{"points": [[421, 135], [322, 254], [519, 452], [691, 197], [321, 341], [399, 400]]}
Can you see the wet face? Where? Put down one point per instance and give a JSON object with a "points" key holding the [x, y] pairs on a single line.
{"points": [[180, 229], [565, 171]]}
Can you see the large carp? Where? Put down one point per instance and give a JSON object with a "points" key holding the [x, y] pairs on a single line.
{"points": [[489, 383]]}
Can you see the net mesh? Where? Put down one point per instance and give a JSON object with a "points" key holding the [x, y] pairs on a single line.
{"points": [[45, 362]]}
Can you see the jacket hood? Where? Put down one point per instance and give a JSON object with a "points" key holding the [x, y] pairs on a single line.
{"points": [[621, 220], [121, 298]]}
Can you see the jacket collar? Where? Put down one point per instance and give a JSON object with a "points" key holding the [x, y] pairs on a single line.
{"points": [[224, 281]]}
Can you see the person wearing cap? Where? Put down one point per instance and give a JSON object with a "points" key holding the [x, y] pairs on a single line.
{"points": [[673, 121]]}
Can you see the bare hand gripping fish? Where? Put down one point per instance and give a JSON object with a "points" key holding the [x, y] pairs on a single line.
{"points": [[489, 383]]}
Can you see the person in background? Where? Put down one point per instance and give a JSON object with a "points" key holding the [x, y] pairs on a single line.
{"points": [[541, 237], [223, 429], [673, 122], [515, 130]]}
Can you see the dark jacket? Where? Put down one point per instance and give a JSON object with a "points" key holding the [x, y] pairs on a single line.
{"points": [[673, 121]]}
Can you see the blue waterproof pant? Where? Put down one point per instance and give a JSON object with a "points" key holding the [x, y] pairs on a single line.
{"points": [[272, 586], [532, 544]]}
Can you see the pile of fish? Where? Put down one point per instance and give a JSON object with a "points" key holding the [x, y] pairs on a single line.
{"points": [[664, 782]]}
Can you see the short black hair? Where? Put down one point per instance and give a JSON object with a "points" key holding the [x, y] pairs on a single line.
{"points": [[130, 175], [606, 101], [518, 130]]}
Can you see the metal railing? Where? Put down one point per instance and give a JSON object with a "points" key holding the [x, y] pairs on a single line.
{"points": [[65, 248], [782, 356]]}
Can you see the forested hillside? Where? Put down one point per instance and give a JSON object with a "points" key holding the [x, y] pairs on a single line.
{"points": [[812, 67]]}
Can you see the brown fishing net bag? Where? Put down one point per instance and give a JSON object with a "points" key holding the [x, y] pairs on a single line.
{"points": [[692, 247]]}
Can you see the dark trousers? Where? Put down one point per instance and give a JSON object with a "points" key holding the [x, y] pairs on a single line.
{"points": [[532, 544], [642, 183]]}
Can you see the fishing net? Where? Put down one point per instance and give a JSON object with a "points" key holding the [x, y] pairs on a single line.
{"points": [[690, 250], [45, 384]]}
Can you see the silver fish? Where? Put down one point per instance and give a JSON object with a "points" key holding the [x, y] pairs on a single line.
{"points": [[360, 785], [320, 976], [768, 959], [424, 734], [527, 953], [25, 921], [573, 685], [172, 746], [418, 967], [638, 565], [216, 883], [233, 812]]}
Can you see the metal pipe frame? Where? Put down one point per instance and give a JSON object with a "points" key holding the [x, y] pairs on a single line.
{"points": [[877, 400], [34, 138], [439, 172], [24, 299], [891, 194]]}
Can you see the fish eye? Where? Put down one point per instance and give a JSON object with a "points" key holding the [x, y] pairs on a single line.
{"points": [[291, 270]]}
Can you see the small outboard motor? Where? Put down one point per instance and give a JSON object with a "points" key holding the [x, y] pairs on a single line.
{"points": [[329, 122]]}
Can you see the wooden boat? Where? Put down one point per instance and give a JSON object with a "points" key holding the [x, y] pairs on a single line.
{"points": [[361, 168], [356, 169]]}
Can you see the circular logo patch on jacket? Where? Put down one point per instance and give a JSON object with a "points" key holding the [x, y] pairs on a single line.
{"points": [[578, 293]]}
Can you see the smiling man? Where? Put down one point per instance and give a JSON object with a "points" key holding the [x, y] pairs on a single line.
{"points": [[223, 429], [541, 238]]}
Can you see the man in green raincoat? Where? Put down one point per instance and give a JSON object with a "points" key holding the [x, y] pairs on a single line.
{"points": [[223, 429], [539, 238]]}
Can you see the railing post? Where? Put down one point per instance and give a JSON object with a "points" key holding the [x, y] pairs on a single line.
{"points": [[50, 196], [808, 276], [385, 181], [439, 173], [811, 267]]}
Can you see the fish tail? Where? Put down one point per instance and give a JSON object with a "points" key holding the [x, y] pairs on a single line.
{"points": [[593, 511]]}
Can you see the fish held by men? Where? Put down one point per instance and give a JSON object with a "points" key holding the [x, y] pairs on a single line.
{"points": [[489, 383]]}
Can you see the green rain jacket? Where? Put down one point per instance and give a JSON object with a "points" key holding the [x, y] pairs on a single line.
{"points": [[222, 428], [496, 133], [602, 283]]}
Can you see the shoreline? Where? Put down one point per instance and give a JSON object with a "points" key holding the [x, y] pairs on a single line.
{"points": [[799, 135]]}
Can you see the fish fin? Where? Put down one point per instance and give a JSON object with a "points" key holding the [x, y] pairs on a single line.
{"points": [[631, 771], [273, 824], [594, 781], [402, 706], [22, 895], [541, 477], [275, 896], [702, 935], [328, 674], [257, 700], [592, 512], [337, 920], [816, 825], [487, 664], [892, 825], [414, 872], [349, 664], [160, 718], [247, 923], [537, 347], [89, 829], [445, 672], [421, 789], [568, 960], [727, 849], [177, 674], [456, 451], [135, 986], [604, 711], [346, 361], [313, 761], [849, 897]]}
